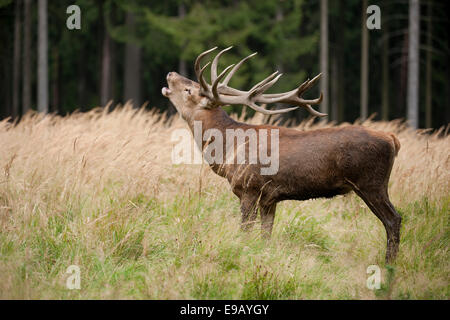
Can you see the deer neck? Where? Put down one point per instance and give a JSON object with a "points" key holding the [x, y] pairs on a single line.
{"points": [[215, 118]]}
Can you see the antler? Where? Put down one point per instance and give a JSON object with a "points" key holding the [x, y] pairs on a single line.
{"points": [[221, 94]]}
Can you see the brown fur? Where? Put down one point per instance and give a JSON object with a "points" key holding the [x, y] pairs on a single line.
{"points": [[312, 164]]}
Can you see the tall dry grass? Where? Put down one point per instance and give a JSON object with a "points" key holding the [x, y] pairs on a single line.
{"points": [[98, 189]]}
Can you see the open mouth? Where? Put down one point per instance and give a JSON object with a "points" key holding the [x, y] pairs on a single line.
{"points": [[165, 91]]}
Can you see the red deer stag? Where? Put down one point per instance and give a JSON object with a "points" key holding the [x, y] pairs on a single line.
{"points": [[312, 164]]}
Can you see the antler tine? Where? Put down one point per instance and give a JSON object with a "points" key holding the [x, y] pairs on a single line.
{"points": [[200, 56], [314, 112], [295, 97], [313, 101], [303, 86], [215, 63], [216, 82], [202, 81], [263, 82], [299, 91], [308, 84], [255, 107], [197, 68], [236, 67], [222, 94], [265, 86]]}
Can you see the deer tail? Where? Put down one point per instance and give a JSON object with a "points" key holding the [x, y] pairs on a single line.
{"points": [[396, 143]]}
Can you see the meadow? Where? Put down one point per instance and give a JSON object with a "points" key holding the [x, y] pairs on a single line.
{"points": [[99, 190]]}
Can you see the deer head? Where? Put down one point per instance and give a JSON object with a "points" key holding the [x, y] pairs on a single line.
{"points": [[189, 96]]}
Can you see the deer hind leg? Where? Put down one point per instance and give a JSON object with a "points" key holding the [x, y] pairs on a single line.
{"points": [[379, 203], [267, 217]]}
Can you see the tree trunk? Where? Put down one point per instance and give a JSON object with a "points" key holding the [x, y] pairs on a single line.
{"points": [[429, 66], [413, 64], [447, 110], [385, 67], [324, 54], [6, 84], [281, 118], [402, 78], [42, 57], [337, 66], [105, 84], [82, 79], [340, 62], [26, 89], [364, 103], [182, 66], [334, 87], [56, 82], [16, 61], [132, 89]]}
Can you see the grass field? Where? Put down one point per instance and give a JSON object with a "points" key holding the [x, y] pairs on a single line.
{"points": [[98, 190]]}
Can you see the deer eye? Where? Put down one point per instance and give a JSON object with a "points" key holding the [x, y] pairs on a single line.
{"points": [[188, 90]]}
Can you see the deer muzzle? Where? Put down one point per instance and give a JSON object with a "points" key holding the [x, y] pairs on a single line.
{"points": [[166, 92]]}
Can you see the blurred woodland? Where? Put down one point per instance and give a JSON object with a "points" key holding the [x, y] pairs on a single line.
{"points": [[124, 50]]}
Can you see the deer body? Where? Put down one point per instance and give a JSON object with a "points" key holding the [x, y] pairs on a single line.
{"points": [[312, 164]]}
